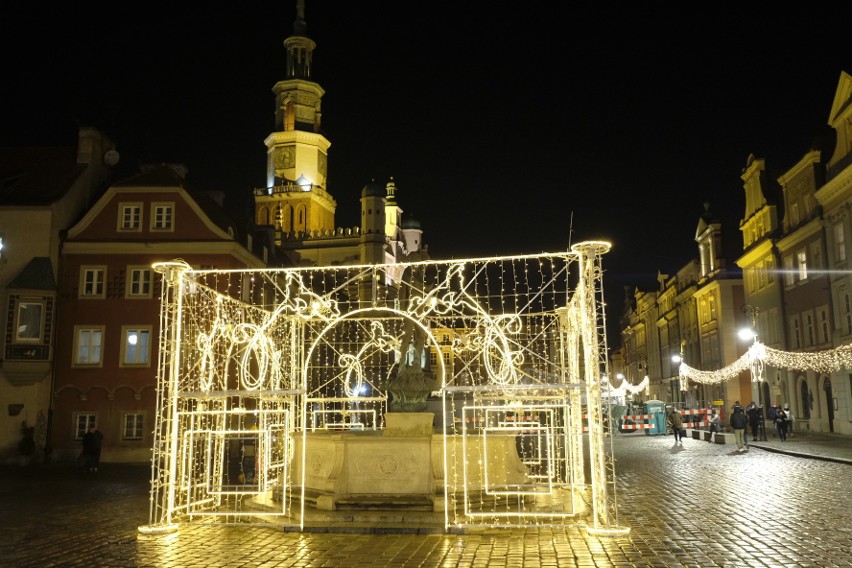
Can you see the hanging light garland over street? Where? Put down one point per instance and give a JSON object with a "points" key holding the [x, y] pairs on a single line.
{"points": [[821, 362]]}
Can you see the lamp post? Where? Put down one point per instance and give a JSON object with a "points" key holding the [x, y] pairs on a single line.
{"points": [[756, 361], [677, 359]]}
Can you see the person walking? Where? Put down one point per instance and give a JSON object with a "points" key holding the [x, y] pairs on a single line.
{"points": [[96, 450], [770, 415], [781, 424], [87, 457], [739, 421], [715, 425], [753, 414], [789, 414], [676, 421]]}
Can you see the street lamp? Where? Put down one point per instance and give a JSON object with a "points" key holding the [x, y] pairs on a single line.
{"points": [[677, 359], [756, 364]]}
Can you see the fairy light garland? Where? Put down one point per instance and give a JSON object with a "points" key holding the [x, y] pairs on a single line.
{"points": [[828, 361]]}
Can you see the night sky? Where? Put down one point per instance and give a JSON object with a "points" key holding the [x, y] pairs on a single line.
{"points": [[510, 128]]}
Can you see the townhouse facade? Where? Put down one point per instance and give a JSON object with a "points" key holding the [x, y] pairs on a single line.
{"points": [[791, 288], [43, 191]]}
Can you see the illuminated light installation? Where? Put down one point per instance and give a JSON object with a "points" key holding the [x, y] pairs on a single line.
{"points": [[625, 387], [254, 365], [759, 354]]}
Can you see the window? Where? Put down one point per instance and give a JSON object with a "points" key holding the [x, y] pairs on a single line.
{"points": [[135, 345], [802, 264], [138, 282], [823, 326], [130, 217], [794, 214], [796, 332], [92, 281], [767, 268], [847, 306], [446, 355], [132, 427], [88, 345], [816, 255], [30, 321], [839, 242], [162, 216], [789, 273], [433, 358], [82, 423], [810, 329]]}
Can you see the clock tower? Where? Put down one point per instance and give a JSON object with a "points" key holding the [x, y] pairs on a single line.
{"points": [[295, 199]]}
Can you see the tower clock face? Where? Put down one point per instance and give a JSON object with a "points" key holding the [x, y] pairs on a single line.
{"points": [[285, 157]]}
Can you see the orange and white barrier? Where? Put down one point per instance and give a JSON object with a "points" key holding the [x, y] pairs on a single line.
{"points": [[639, 421]]}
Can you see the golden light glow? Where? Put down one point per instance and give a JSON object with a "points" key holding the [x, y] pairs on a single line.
{"points": [[254, 362]]}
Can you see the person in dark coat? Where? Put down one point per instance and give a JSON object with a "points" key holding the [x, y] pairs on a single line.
{"points": [[753, 414], [739, 423], [676, 421], [92, 442], [781, 424]]}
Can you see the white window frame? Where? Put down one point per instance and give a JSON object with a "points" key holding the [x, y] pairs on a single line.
{"points": [[810, 328], [789, 271], [816, 256], [25, 303], [163, 216], [823, 326], [132, 427], [83, 338], [141, 353], [130, 217], [767, 268], [794, 214], [839, 242], [140, 281], [796, 332], [93, 288], [847, 312], [802, 264], [82, 422]]}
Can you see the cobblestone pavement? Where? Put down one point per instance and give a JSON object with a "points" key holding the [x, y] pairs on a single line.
{"points": [[696, 505]]}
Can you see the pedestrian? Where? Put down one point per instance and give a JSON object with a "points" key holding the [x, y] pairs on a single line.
{"points": [[753, 414], [781, 424], [87, 456], [676, 421], [96, 454], [739, 421], [789, 414], [770, 414], [715, 425], [745, 433]]}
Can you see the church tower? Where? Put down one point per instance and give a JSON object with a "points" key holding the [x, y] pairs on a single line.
{"points": [[295, 199]]}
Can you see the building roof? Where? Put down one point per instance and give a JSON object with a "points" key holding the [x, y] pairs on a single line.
{"points": [[37, 176], [36, 275]]}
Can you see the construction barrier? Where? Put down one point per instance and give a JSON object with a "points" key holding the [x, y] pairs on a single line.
{"points": [[638, 421]]}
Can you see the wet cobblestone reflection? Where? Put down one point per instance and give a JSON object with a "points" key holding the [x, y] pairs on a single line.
{"points": [[702, 505]]}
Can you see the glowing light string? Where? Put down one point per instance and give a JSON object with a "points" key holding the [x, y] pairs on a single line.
{"points": [[500, 360], [379, 339], [625, 387], [758, 355]]}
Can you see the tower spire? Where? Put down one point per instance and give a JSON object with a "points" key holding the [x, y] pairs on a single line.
{"points": [[299, 46]]}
